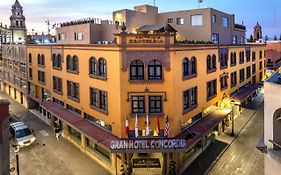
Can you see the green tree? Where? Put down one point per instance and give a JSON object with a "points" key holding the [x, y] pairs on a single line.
{"points": [[266, 38], [251, 38], [275, 38]]}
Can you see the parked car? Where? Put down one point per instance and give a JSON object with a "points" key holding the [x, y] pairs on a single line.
{"points": [[21, 135]]}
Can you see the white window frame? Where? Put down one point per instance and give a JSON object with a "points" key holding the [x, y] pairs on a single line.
{"points": [[196, 20]]}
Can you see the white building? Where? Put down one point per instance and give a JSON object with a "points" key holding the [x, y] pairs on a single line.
{"points": [[272, 123]]}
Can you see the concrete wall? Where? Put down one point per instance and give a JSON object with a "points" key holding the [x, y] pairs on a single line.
{"points": [[186, 31], [148, 15], [272, 102], [4, 138]]}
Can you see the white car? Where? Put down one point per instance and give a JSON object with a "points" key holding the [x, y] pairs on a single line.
{"points": [[21, 134]]}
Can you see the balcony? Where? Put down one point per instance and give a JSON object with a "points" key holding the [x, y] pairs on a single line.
{"points": [[239, 26]]}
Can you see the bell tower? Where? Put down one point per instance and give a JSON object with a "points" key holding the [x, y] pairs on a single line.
{"points": [[17, 23], [257, 32], [17, 20]]}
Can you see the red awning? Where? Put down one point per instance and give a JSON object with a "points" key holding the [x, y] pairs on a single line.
{"points": [[95, 133], [194, 133], [245, 93]]}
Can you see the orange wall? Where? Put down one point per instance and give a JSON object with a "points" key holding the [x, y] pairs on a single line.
{"points": [[118, 85]]}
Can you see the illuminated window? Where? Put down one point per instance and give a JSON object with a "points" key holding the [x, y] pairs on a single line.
{"points": [[196, 20], [138, 104], [180, 21]]}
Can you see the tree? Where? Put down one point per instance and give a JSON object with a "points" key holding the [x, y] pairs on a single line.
{"points": [[280, 37], [251, 38], [275, 38], [266, 38]]}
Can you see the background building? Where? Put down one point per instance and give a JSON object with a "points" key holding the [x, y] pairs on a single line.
{"points": [[86, 31], [205, 24], [273, 54], [17, 24]]}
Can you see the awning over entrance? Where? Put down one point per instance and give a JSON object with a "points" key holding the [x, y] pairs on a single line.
{"points": [[245, 93], [97, 134], [194, 133]]}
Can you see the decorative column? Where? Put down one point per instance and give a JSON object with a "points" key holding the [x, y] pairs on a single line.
{"points": [[4, 137], [114, 163]]}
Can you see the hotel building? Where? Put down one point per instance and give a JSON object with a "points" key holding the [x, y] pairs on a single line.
{"points": [[146, 77], [93, 88]]}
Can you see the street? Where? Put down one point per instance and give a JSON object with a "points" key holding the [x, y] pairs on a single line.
{"points": [[242, 157], [237, 155], [47, 155]]}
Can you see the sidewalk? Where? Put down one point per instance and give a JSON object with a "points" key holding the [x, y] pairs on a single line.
{"points": [[241, 121], [49, 156], [204, 163]]}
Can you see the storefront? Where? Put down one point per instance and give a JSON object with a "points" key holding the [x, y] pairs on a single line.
{"points": [[146, 155]]}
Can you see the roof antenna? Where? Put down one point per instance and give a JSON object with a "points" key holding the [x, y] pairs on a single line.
{"points": [[199, 2], [154, 3]]}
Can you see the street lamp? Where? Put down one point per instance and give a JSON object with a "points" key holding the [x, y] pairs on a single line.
{"points": [[16, 150], [234, 103]]}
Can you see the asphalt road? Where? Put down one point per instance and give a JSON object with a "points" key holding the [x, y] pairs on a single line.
{"points": [[49, 156], [242, 157]]}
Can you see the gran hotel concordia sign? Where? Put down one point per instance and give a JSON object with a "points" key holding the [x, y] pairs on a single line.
{"points": [[145, 39], [149, 144]]}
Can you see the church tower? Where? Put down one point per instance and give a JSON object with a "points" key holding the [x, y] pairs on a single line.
{"points": [[17, 23], [257, 32]]}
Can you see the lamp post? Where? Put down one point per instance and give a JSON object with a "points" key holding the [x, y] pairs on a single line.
{"points": [[16, 150], [234, 103]]}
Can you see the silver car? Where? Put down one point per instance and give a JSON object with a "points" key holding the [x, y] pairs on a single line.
{"points": [[21, 134]]}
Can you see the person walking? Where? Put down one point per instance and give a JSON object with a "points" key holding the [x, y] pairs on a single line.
{"points": [[57, 129]]}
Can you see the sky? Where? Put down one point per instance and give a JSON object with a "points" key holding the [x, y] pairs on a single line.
{"points": [[266, 12]]}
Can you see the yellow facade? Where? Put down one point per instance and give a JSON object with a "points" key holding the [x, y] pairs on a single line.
{"points": [[119, 86]]}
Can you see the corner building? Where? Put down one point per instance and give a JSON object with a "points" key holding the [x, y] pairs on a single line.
{"points": [[92, 89]]}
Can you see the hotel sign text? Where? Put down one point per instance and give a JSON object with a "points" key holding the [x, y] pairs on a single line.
{"points": [[146, 40], [148, 144]]}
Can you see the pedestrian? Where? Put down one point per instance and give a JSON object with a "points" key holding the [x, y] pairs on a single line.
{"points": [[57, 129]]}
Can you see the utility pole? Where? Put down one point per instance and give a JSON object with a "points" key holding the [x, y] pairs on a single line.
{"points": [[199, 2], [48, 24]]}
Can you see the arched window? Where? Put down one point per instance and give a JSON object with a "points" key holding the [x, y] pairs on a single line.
{"points": [[59, 60], [193, 65], [214, 62], [42, 60], [68, 62], [54, 60], [185, 70], [30, 58], [209, 62], [136, 70], [38, 59], [93, 66], [75, 63], [154, 70], [241, 57], [102, 67]]}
